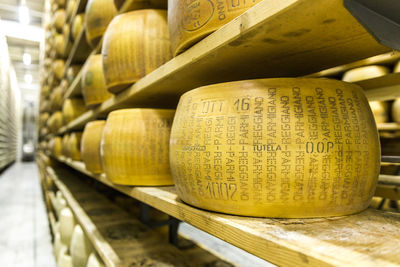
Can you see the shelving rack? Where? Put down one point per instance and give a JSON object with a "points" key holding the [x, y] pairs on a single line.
{"points": [[272, 39]]}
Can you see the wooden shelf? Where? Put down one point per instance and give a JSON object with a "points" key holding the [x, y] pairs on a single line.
{"points": [[382, 88], [389, 126], [369, 238], [270, 40]]}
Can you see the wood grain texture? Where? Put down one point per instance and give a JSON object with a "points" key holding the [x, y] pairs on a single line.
{"points": [[369, 238]]}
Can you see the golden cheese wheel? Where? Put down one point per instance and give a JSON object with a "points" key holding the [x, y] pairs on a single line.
{"points": [[72, 109], [55, 121], [56, 98], [44, 131], [59, 42], [66, 32], [94, 89], [80, 248], [364, 73], [90, 145], [285, 148], [135, 44], [72, 71], [45, 90], [77, 25], [99, 14], [396, 110], [94, 261], [74, 146], [55, 146], [59, 19], [65, 144], [58, 68], [71, 4], [380, 109], [43, 118], [67, 224], [191, 21], [134, 146], [397, 67]]}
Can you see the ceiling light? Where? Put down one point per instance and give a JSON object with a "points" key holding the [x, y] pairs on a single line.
{"points": [[28, 78], [23, 13], [27, 59]]}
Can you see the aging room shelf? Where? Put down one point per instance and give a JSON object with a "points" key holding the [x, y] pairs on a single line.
{"points": [[271, 39], [369, 238]]}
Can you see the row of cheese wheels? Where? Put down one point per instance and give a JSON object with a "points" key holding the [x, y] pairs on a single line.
{"points": [[292, 147], [71, 246], [381, 109]]}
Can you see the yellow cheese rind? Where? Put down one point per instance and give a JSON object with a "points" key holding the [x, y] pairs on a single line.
{"points": [[285, 148], [55, 146], [77, 25], [134, 44], [73, 108], [365, 73], [134, 147], [99, 14], [59, 19], [74, 146], [94, 88], [80, 248], [380, 109], [191, 21], [90, 146], [396, 110]]}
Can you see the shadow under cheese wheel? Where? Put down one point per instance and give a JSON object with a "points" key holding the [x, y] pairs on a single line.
{"points": [[135, 146], [191, 21], [284, 148]]}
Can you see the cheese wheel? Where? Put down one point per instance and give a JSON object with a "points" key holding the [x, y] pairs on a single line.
{"points": [[77, 25], [134, 147], [285, 148], [135, 5], [380, 110], [58, 68], [94, 89], [56, 98], [396, 110], [45, 90], [135, 44], [64, 260], [55, 121], [74, 145], [59, 19], [90, 146], [94, 261], [72, 71], [99, 14], [80, 248], [71, 5], [67, 224], [66, 32], [60, 3], [55, 146], [57, 244], [65, 145], [72, 109], [397, 68], [43, 119], [191, 21], [365, 73]]}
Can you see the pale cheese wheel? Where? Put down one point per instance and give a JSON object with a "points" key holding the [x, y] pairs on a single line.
{"points": [[64, 260], [94, 261], [80, 248], [59, 19], [55, 146], [67, 224], [365, 73], [94, 88], [65, 145], [134, 147], [57, 244], [56, 98], [71, 4], [397, 67], [99, 14], [396, 110], [59, 45], [191, 21], [74, 145], [58, 68], [284, 148], [135, 44], [66, 33], [90, 146], [380, 109], [72, 109], [61, 203], [77, 25]]}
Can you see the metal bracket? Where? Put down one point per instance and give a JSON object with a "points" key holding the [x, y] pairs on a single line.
{"points": [[380, 18]]}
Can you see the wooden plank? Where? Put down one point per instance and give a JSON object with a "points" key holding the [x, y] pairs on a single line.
{"points": [[75, 88], [271, 39], [389, 126], [382, 88], [79, 51], [370, 238], [388, 191]]}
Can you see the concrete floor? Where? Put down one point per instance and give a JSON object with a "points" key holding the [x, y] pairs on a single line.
{"points": [[25, 235]]}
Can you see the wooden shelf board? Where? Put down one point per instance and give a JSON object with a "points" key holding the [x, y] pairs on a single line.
{"points": [[75, 87], [269, 40], [79, 52], [389, 126], [369, 238], [382, 88]]}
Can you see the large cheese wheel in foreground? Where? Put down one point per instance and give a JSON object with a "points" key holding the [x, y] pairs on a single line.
{"points": [[285, 148], [364, 73], [134, 146], [191, 21], [380, 109], [90, 146], [94, 88], [135, 44], [99, 13]]}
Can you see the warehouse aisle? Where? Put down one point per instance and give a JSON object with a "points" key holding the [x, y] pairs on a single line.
{"points": [[25, 238]]}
